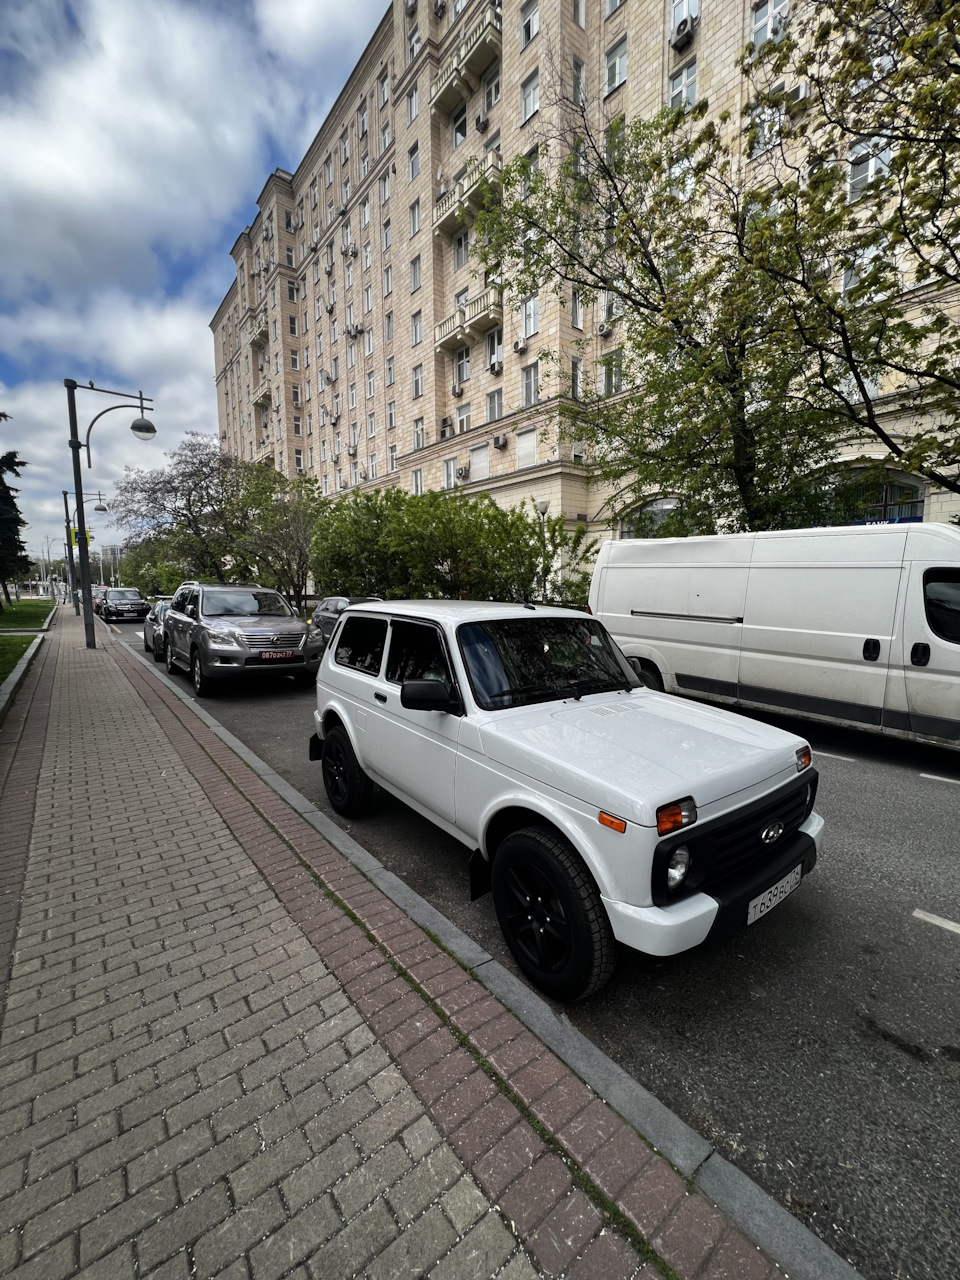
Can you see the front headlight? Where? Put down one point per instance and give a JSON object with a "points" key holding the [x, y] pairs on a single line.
{"points": [[678, 868], [222, 637]]}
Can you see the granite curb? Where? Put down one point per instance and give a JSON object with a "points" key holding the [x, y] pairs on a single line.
{"points": [[751, 1211], [13, 681]]}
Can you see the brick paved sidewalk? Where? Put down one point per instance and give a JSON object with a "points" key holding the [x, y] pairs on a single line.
{"points": [[225, 1052]]}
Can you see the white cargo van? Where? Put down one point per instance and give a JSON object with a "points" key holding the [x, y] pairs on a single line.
{"points": [[857, 625]]}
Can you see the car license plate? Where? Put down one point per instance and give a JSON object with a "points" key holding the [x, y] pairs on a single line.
{"points": [[773, 896], [278, 653]]}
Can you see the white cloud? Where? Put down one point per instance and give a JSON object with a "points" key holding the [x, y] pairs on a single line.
{"points": [[134, 139]]}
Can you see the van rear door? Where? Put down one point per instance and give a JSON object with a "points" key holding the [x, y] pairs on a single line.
{"points": [[819, 622], [931, 650]]}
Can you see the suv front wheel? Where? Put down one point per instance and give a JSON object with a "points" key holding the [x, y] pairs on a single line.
{"points": [[551, 915], [202, 685]]}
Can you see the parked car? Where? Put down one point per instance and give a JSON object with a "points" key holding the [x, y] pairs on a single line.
{"points": [[237, 631], [153, 627], [97, 593], [327, 613], [596, 809], [123, 604]]}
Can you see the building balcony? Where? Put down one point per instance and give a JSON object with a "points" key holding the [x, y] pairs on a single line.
{"points": [[470, 322], [466, 196], [257, 328], [459, 77], [261, 392]]}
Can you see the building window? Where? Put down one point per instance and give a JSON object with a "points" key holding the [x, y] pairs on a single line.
{"points": [[417, 381], [297, 425], [416, 328], [768, 20], [387, 281], [419, 434], [683, 9], [413, 160], [328, 171], [461, 365], [617, 65], [449, 473], [352, 397], [530, 384], [386, 235], [494, 341], [529, 22], [368, 341], [576, 378], [416, 482], [294, 359], [383, 90], [372, 466], [463, 417], [367, 298], [392, 458], [413, 104], [370, 383], [362, 119], [413, 45], [580, 12], [459, 125], [530, 316], [388, 326], [384, 135], [365, 164], [480, 462], [869, 160], [682, 91], [576, 309], [298, 459], [530, 97], [365, 211], [415, 217], [390, 371], [613, 373], [461, 249], [391, 414], [295, 396], [526, 449], [344, 148], [611, 6], [491, 88], [579, 82], [415, 277], [384, 187]]}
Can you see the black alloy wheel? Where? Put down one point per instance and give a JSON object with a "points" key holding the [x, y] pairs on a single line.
{"points": [[551, 915], [348, 788]]}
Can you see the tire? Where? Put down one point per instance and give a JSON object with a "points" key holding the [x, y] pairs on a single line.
{"points": [[551, 915], [168, 656], [647, 674], [348, 788], [147, 646], [202, 685], [157, 652]]}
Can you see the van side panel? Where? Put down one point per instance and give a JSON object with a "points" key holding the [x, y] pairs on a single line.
{"points": [[678, 602], [819, 623]]}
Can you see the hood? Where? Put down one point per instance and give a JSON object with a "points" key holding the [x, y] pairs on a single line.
{"points": [[631, 753]]}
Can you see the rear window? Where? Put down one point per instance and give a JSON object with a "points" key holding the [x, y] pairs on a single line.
{"points": [[360, 644], [941, 599]]}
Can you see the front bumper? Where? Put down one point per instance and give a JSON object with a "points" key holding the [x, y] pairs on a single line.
{"points": [[666, 931], [235, 665]]}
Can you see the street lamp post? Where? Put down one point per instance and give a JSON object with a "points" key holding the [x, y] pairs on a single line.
{"points": [[543, 506], [101, 506], [143, 429]]}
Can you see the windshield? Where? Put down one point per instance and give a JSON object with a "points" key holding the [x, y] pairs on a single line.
{"points": [[517, 661], [119, 594], [243, 603]]}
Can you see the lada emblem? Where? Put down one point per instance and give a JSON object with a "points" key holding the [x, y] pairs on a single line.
{"points": [[771, 834]]}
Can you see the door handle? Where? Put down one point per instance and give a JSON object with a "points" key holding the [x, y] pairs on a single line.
{"points": [[920, 654], [380, 697], [871, 650]]}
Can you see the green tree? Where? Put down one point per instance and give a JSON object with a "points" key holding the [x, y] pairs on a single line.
{"points": [[703, 388], [14, 560], [284, 514], [855, 117]]}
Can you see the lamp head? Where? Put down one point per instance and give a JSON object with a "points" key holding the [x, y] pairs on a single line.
{"points": [[101, 506], [143, 428], [543, 505]]}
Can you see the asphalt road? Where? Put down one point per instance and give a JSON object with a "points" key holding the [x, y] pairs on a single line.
{"points": [[820, 1051]]}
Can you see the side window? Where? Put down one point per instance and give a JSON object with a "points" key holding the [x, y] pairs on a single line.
{"points": [[192, 599], [178, 601], [360, 644], [416, 653], [941, 600]]}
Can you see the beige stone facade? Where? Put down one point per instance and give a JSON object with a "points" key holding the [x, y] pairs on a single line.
{"points": [[359, 343]]}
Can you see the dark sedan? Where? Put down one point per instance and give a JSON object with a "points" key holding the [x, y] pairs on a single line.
{"points": [[123, 604], [328, 611], [153, 627]]}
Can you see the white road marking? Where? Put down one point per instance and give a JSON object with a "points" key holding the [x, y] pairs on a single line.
{"points": [[938, 920], [935, 777], [830, 756]]}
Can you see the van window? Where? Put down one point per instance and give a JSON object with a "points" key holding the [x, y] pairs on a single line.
{"points": [[941, 599], [360, 644]]}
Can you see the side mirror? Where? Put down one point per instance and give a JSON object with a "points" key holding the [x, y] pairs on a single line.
{"points": [[191, 610], [427, 695]]}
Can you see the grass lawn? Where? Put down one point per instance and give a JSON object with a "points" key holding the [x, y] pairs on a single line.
{"points": [[12, 649], [22, 614]]}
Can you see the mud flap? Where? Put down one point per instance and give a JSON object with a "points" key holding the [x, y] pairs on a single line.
{"points": [[479, 875], [316, 747]]}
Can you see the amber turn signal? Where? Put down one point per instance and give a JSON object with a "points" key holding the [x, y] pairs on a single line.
{"points": [[671, 817], [615, 824]]}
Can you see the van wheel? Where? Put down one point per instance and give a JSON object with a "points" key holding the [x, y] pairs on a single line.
{"points": [[647, 674], [549, 909], [348, 788]]}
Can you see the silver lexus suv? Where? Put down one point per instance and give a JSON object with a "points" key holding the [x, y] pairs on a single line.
{"points": [[227, 632]]}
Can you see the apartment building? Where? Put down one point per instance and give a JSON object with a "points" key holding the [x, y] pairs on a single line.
{"points": [[359, 343]]}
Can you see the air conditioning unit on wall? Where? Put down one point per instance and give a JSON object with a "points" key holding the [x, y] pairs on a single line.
{"points": [[682, 34]]}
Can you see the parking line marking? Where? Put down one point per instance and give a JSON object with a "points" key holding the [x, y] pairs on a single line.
{"points": [[938, 920], [830, 756], [935, 777]]}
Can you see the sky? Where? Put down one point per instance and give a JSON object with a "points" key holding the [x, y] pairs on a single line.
{"points": [[135, 137]]}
